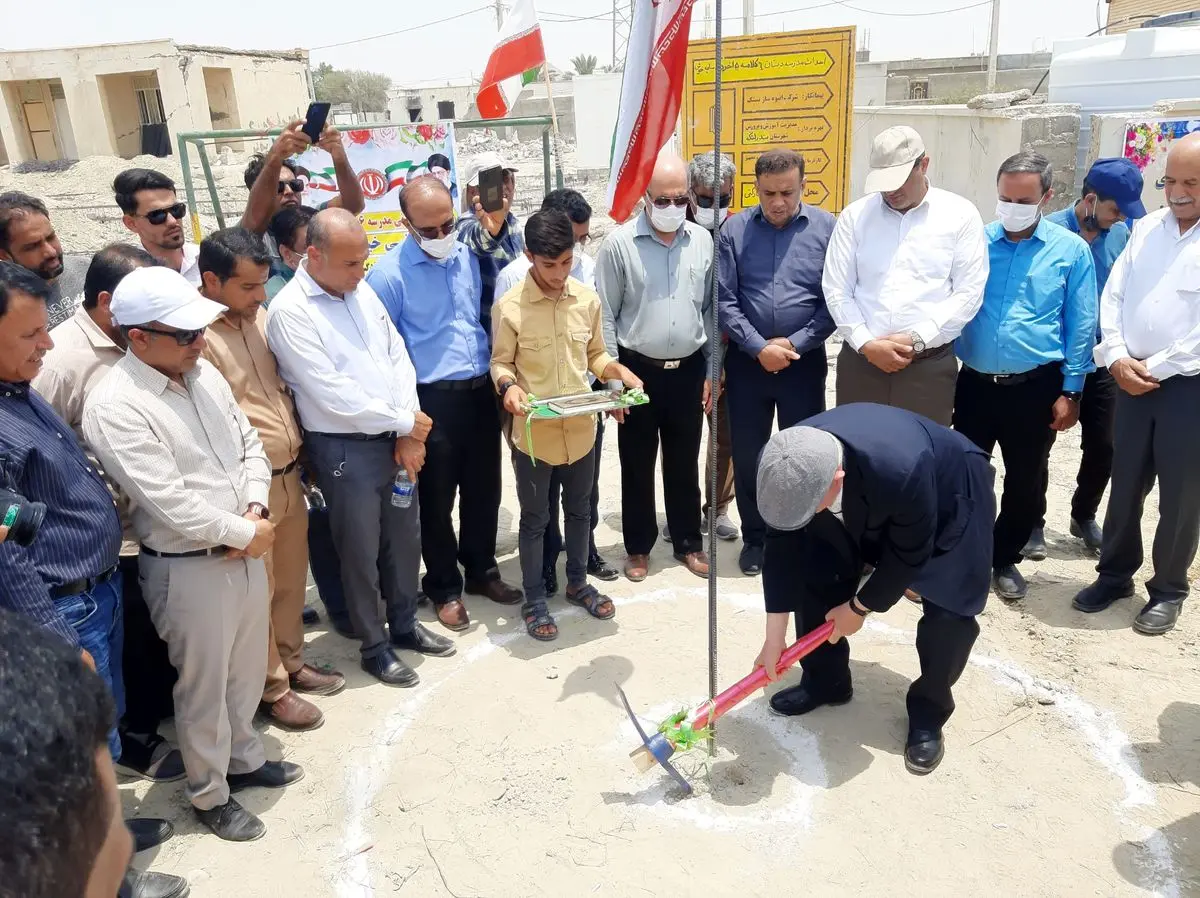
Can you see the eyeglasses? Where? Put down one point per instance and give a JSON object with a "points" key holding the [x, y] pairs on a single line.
{"points": [[445, 229], [158, 216], [296, 185], [183, 338], [706, 202], [665, 202], [583, 241]]}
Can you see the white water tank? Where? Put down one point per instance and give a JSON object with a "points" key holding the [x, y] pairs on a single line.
{"points": [[1123, 73]]}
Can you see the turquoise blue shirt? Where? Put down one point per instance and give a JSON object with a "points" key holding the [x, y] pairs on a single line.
{"points": [[1040, 306], [1105, 248], [435, 306]]}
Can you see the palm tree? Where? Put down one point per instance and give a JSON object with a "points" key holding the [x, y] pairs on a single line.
{"points": [[584, 65]]}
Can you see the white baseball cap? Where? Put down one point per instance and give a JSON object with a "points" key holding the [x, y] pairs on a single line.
{"points": [[893, 153], [163, 295], [483, 162]]}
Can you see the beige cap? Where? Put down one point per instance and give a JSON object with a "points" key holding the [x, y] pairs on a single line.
{"points": [[482, 163], [893, 153]]}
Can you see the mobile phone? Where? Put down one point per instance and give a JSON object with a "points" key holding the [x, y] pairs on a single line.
{"points": [[314, 120], [491, 189]]}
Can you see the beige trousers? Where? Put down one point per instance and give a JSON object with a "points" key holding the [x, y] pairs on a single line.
{"points": [[212, 614], [287, 580]]}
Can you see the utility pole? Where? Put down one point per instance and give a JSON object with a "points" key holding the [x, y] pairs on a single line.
{"points": [[622, 24], [993, 46], [747, 16], [499, 14]]}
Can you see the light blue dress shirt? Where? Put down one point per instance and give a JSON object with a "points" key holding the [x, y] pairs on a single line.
{"points": [[1107, 246], [435, 306], [1040, 306]]}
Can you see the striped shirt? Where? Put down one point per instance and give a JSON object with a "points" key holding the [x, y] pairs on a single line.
{"points": [[81, 535], [494, 255]]}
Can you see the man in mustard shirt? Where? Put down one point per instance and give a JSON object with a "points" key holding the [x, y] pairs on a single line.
{"points": [[547, 335]]}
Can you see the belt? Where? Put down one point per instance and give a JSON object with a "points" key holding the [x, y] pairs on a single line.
{"points": [[87, 584], [1012, 380], [471, 383], [665, 364], [934, 353], [198, 553], [286, 469], [357, 437]]}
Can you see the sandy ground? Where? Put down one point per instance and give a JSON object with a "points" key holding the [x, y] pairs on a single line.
{"points": [[1072, 766]]}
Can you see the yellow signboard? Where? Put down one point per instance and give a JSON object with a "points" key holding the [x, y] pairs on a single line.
{"points": [[778, 91]]}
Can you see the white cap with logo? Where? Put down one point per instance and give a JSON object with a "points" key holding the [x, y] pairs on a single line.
{"points": [[893, 154], [163, 295], [483, 162]]}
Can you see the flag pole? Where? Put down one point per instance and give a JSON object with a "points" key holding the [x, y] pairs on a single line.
{"points": [[558, 169]]}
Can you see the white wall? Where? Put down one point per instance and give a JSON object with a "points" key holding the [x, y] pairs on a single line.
{"points": [[597, 101], [870, 84]]}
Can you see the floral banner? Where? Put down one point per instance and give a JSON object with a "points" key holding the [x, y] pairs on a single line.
{"points": [[1146, 145]]}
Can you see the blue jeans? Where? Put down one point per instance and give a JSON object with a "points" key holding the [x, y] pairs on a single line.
{"points": [[96, 618]]}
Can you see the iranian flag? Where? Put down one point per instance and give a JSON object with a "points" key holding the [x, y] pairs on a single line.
{"points": [[514, 63], [650, 96]]}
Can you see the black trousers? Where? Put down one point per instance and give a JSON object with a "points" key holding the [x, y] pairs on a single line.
{"points": [[1016, 414], [552, 543], [1097, 411], [944, 639], [149, 675], [325, 567], [675, 416], [756, 397], [1157, 436], [462, 457]]}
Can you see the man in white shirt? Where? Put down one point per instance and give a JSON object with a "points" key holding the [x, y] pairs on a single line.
{"points": [[166, 428], [905, 273], [356, 392], [1150, 330], [152, 210]]}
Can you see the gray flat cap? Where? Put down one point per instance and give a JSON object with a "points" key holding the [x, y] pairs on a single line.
{"points": [[794, 474]]}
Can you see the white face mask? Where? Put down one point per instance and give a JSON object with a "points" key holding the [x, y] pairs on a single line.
{"points": [[1017, 217], [707, 217], [440, 247], [667, 220]]}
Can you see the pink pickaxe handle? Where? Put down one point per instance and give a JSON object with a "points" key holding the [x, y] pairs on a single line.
{"points": [[734, 695]]}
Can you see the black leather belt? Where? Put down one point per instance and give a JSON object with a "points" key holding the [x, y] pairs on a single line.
{"points": [[198, 553], [665, 364], [286, 469], [87, 584], [472, 383], [1012, 380], [357, 437]]}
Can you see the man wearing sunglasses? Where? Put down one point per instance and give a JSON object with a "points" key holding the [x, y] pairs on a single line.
{"points": [[431, 289], [151, 210], [28, 238], [654, 276]]}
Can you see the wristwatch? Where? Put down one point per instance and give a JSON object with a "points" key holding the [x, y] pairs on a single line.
{"points": [[861, 612], [1072, 395], [259, 509], [505, 385], [918, 343]]}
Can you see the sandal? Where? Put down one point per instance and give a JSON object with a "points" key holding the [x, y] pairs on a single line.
{"points": [[537, 620], [592, 601]]}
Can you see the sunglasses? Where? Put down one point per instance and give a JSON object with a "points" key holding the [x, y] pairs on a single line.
{"points": [[706, 202], [443, 230], [158, 216], [183, 338], [296, 185], [666, 202]]}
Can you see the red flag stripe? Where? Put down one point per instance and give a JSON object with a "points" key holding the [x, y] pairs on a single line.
{"points": [[511, 59]]}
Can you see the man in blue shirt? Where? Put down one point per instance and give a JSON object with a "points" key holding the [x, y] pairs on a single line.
{"points": [[1112, 194], [772, 306], [431, 288], [494, 237], [1028, 352]]}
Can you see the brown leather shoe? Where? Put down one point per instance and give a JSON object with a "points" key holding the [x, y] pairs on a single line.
{"points": [[294, 713], [697, 563], [453, 615], [496, 590], [637, 567], [311, 681]]}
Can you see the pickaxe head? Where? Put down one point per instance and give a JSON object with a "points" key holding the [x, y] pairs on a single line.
{"points": [[654, 749]]}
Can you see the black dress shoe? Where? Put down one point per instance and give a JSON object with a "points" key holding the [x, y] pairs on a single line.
{"points": [[601, 569], [1035, 548], [1100, 595], [1089, 532], [425, 641], [271, 775], [232, 822], [153, 885], [1158, 617], [310, 616], [751, 560], [923, 751], [1008, 583], [390, 670], [149, 832], [799, 700], [550, 579]]}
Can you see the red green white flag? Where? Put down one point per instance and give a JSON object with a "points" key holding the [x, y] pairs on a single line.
{"points": [[514, 62], [651, 91]]}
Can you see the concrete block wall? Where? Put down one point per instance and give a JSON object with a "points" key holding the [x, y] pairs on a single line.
{"points": [[1055, 134]]}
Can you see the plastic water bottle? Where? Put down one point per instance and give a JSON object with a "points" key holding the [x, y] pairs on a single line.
{"points": [[403, 489]]}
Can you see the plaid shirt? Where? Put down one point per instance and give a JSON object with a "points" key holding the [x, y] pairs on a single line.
{"points": [[493, 253]]}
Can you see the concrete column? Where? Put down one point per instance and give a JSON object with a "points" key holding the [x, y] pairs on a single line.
{"points": [[16, 143], [93, 137]]}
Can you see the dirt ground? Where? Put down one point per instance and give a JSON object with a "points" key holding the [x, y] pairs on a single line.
{"points": [[1072, 764]]}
